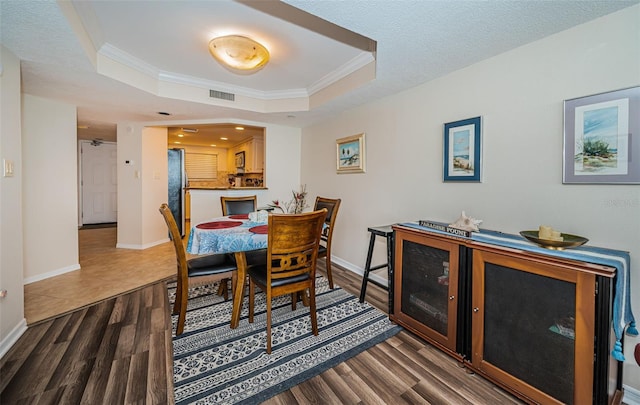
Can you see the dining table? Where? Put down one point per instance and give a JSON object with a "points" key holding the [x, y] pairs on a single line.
{"points": [[234, 234]]}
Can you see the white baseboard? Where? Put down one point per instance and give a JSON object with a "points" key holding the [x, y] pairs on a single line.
{"points": [[54, 273], [631, 395], [141, 247], [358, 270], [74, 267], [12, 337]]}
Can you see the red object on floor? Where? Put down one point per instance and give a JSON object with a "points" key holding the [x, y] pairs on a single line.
{"points": [[218, 224], [636, 354]]}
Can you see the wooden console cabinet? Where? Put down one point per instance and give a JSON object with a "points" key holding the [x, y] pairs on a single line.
{"points": [[537, 325]]}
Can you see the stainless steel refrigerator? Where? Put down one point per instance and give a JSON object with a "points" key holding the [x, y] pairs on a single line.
{"points": [[177, 184]]}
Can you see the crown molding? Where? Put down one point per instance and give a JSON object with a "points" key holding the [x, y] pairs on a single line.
{"points": [[355, 64], [122, 57], [176, 78], [158, 77]]}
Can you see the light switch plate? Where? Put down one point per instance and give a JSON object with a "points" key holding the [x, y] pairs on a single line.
{"points": [[7, 170]]}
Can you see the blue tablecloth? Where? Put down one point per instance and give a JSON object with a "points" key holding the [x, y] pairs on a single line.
{"points": [[226, 240], [623, 319]]}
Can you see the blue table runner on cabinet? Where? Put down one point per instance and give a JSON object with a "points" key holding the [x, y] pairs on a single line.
{"points": [[623, 319]]}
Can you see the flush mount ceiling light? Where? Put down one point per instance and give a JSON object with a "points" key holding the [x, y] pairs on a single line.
{"points": [[239, 54]]}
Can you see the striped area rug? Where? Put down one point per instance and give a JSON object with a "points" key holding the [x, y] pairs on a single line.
{"points": [[216, 364]]}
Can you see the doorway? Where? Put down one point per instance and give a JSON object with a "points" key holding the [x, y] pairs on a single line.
{"points": [[98, 182]]}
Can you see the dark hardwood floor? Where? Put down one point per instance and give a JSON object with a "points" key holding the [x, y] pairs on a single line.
{"points": [[402, 370], [118, 351]]}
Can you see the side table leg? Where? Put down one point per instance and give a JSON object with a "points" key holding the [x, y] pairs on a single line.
{"points": [[367, 266]]}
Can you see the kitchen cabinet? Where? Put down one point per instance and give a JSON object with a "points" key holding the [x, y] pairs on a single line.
{"points": [[254, 154], [535, 324]]}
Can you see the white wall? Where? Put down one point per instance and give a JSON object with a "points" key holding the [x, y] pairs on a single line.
{"points": [[155, 175], [142, 185], [520, 96], [129, 167], [12, 322], [282, 162], [50, 188]]}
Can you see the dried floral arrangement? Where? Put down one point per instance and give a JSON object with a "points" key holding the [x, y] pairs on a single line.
{"points": [[296, 205]]}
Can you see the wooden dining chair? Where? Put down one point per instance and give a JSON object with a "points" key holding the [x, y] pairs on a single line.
{"points": [[332, 206], [238, 205], [220, 265], [292, 252]]}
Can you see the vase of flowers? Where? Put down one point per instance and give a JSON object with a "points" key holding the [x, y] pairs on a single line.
{"points": [[296, 205]]}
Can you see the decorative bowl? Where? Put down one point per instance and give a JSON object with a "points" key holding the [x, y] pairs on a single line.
{"points": [[569, 241]]}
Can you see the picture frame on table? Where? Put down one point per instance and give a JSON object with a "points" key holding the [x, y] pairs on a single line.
{"points": [[601, 143], [463, 151], [240, 159], [350, 154]]}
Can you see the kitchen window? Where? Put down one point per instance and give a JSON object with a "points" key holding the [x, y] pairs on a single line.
{"points": [[201, 166]]}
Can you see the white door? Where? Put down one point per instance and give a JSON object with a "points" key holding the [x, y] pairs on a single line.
{"points": [[98, 182]]}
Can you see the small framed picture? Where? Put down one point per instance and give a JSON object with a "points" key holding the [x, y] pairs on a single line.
{"points": [[601, 143], [350, 154], [462, 150], [240, 159]]}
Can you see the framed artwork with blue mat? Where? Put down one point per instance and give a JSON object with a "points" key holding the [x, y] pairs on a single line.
{"points": [[462, 151]]}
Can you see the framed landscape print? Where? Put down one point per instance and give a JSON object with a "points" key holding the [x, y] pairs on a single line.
{"points": [[462, 150], [601, 143], [350, 154]]}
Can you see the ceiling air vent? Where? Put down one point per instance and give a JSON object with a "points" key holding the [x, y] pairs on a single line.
{"points": [[222, 95]]}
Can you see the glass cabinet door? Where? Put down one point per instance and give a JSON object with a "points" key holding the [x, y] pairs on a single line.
{"points": [[428, 276], [529, 321]]}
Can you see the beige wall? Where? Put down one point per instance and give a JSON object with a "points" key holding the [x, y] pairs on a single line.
{"points": [[12, 322], [520, 96], [50, 188]]}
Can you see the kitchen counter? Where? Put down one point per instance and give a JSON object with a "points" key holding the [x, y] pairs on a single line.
{"points": [[204, 202]]}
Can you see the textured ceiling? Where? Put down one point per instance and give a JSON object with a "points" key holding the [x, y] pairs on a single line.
{"points": [[60, 43]]}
